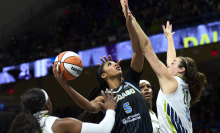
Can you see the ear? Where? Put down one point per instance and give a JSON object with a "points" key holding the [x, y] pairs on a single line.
{"points": [[47, 106], [181, 70], [104, 75]]}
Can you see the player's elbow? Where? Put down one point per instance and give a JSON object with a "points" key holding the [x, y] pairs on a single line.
{"points": [[145, 45], [145, 48]]}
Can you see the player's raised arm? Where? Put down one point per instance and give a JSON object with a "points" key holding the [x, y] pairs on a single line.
{"points": [[167, 82], [171, 52], [137, 60], [90, 106]]}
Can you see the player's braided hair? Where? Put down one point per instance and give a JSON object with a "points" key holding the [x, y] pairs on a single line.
{"points": [[32, 101], [96, 91]]}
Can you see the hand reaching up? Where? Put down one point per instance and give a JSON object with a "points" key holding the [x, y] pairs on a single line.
{"points": [[59, 75], [110, 101], [168, 30], [110, 59], [126, 10]]}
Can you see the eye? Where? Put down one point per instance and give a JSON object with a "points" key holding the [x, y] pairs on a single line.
{"points": [[109, 63], [141, 87], [149, 87]]}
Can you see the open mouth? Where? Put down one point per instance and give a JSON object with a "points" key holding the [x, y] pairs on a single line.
{"points": [[118, 68], [147, 94]]}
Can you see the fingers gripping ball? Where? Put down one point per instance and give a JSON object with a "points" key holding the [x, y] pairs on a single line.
{"points": [[71, 63]]}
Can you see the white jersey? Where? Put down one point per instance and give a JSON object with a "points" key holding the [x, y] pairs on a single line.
{"points": [[154, 121], [173, 110], [46, 123]]}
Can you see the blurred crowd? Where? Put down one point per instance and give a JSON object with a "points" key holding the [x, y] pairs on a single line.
{"points": [[92, 23], [205, 114]]}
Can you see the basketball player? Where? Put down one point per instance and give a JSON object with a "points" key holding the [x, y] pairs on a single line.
{"points": [[147, 92], [132, 113], [181, 84], [37, 108]]}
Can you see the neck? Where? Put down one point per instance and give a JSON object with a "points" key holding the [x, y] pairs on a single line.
{"points": [[114, 83], [149, 104]]}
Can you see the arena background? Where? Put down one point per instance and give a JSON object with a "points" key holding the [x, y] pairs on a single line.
{"points": [[39, 29]]}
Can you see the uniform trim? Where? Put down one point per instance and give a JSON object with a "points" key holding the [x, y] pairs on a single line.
{"points": [[121, 88], [168, 118], [181, 78], [116, 90], [151, 111], [133, 86]]}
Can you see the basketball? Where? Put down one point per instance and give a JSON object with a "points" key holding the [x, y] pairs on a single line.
{"points": [[71, 63]]}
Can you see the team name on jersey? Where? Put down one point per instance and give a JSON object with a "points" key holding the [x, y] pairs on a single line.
{"points": [[125, 94]]}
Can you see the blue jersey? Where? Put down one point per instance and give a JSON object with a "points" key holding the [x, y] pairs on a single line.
{"points": [[132, 113]]}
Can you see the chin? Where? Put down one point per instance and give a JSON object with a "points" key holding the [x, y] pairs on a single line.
{"points": [[120, 73], [147, 98]]}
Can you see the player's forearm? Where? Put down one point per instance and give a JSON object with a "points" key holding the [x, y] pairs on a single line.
{"points": [[134, 38], [142, 37], [171, 52], [80, 100]]}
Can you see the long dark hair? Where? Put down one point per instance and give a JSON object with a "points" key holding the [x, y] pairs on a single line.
{"points": [[96, 91], [32, 101], [193, 78]]}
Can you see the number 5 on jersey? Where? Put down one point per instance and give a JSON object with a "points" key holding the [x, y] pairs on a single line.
{"points": [[127, 108]]}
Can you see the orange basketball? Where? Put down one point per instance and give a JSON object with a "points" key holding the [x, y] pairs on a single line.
{"points": [[71, 63]]}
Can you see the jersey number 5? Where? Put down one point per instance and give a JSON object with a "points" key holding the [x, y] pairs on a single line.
{"points": [[127, 108]]}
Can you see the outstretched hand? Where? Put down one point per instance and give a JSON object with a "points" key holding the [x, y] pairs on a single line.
{"points": [[59, 75], [168, 30], [126, 10], [110, 59], [110, 101]]}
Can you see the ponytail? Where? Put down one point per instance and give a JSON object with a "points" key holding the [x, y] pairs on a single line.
{"points": [[196, 86], [194, 79], [96, 91], [25, 122]]}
